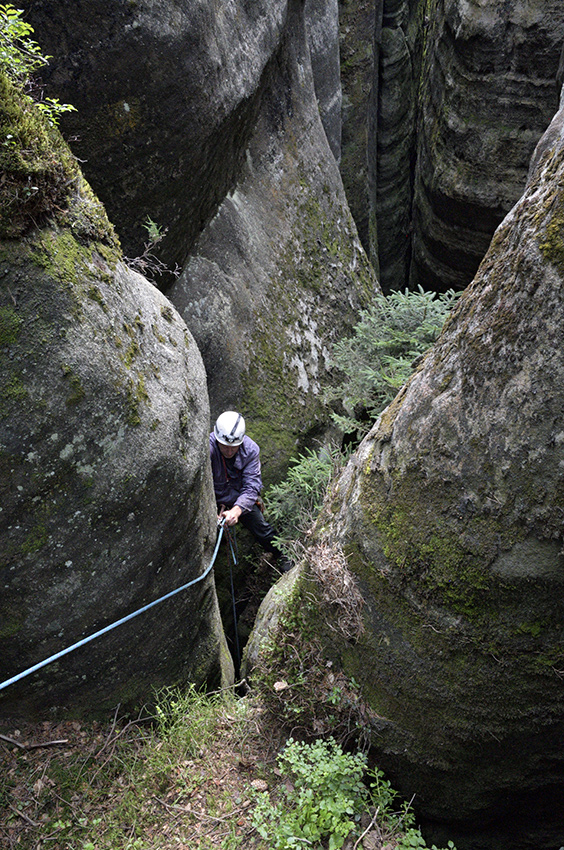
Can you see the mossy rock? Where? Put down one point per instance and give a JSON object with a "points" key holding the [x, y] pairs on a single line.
{"points": [[104, 462], [41, 179]]}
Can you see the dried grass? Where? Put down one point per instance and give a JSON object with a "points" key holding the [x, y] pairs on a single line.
{"points": [[339, 590]]}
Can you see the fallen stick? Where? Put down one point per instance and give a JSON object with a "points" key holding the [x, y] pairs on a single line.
{"points": [[34, 746], [23, 815]]}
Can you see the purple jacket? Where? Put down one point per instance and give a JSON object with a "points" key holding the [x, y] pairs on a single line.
{"points": [[238, 483]]}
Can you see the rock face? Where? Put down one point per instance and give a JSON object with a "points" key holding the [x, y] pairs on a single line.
{"points": [[392, 147], [279, 273], [451, 513], [488, 92], [443, 108], [166, 94], [322, 23], [217, 135], [169, 90], [106, 500], [356, 22]]}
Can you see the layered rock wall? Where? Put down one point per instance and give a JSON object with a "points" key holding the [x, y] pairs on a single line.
{"points": [[488, 92], [392, 137], [443, 105]]}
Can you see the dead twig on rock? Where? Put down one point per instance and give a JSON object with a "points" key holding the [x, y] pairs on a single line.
{"points": [[339, 590], [368, 828]]}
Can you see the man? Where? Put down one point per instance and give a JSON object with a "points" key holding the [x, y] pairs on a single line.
{"points": [[235, 461]]}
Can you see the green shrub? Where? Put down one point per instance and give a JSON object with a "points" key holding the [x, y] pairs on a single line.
{"points": [[21, 56], [325, 793], [323, 798], [39, 173], [379, 358]]}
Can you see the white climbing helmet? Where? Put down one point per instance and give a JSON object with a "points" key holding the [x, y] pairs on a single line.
{"points": [[229, 428]]}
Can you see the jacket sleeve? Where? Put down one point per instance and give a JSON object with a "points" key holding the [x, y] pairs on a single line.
{"points": [[251, 481]]}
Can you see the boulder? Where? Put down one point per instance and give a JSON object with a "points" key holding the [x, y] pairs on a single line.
{"points": [[106, 496], [166, 96], [450, 515]]}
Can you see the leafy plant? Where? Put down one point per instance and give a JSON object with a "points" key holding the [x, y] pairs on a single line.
{"points": [[21, 56], [52, 109], [147, 263], [323, 797], [325, 794], [380, 356]]}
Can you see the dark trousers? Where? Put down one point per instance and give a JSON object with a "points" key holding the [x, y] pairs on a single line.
{"points": [[261, 530]]}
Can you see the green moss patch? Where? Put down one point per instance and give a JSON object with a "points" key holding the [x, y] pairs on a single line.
{"points": [[10, 326], [39, 172], [41, 179]]}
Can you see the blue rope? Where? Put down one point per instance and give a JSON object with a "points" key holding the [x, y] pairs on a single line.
{"points": [[117, 623]]}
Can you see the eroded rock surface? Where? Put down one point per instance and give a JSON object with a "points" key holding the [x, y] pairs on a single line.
{"points": [[444, 103], [279, 273], [217, 135], [451, 512], [322, 23], [489, 90], [166, 94], [106, 499]]}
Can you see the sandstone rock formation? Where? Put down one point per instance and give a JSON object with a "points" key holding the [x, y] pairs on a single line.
{"points": [[322, 24], [356, 21], [489, 90], [106, 500], [207, 118], [444, 103], [451, 516], [279, 273], [166, 94]]}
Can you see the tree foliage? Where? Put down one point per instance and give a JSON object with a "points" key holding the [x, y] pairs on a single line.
{"points": [[381, 354], [21, 57], [293, 505]]}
